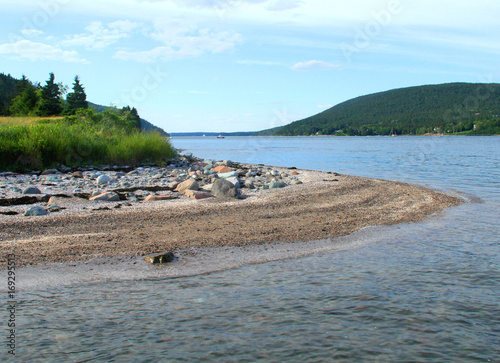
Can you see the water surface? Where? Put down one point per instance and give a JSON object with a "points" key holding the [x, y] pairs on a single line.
{"points": [[426, 292]]}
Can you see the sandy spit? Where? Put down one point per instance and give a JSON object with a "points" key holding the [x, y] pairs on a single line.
{"points": [[325, 206]]}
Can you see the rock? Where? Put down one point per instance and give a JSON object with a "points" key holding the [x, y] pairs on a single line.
{"points": [[197, 194], [295, 173], [276, 184], [77, 174], [106, 197], [221, 169], [155, 198], [235, 181], [32, 190], [250, 183], [224, 189], [35, 211], [104, 179], [189, 184], [296, 182], [162, 258], [228, 175]]}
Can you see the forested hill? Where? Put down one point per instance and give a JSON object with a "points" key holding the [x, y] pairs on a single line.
{"points": [[145, 125], [445, 108]]}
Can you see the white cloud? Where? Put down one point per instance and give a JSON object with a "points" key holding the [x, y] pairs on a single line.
{"points": [[313, 65], [181, 41], [31, 33], [99, 36], [26, 49]]}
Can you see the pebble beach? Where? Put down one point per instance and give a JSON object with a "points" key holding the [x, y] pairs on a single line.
{"points": [[63, 216]]}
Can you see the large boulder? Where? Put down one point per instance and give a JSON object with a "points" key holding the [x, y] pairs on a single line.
{"points": [[189, 184], [224, 189], [235, 181]]}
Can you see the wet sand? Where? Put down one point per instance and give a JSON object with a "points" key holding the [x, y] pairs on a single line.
{"points": [[324, 207]]}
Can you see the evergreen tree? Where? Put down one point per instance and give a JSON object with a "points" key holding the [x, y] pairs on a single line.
{"points": [[26, 102], [76, 99], [50, 104], [7, 92]]}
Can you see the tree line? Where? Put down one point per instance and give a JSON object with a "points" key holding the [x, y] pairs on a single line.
{"points": [[22, 97], [25, 98]]}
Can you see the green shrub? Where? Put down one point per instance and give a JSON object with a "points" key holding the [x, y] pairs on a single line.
{"points": [[84, 139]]}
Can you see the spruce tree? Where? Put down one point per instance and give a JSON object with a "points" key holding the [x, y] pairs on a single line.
{"points": [[50, 104], [26, 102], [76, 99]]}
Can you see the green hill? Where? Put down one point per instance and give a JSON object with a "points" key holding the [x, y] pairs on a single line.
{"points": [[145, 125], [446, 108]]}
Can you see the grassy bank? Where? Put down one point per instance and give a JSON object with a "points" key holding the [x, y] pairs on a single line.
{"points": [[89, 138]]}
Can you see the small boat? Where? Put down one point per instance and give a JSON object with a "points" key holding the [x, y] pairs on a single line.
{"points": [[220, 137]]}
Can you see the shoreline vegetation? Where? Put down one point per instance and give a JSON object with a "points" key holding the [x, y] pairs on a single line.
{"points": [[320, 205], [40, 128]]}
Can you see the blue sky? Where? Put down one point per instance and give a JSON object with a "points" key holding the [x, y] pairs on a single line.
{"points": [[247, 65]]}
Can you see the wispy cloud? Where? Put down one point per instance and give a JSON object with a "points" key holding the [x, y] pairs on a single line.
{"points": [[180, 41], [27, 49], [313, 65], [100, 36]]}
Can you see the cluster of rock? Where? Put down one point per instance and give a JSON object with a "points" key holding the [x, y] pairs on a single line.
{"points": [[186, 176]]}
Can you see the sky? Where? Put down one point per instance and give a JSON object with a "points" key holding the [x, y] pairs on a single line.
{"points": [[247, 65]]}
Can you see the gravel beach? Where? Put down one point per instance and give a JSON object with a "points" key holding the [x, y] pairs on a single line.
{"points": [[309, 205]]}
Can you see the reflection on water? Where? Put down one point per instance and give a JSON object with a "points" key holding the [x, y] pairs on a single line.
{"points": [[426, 292]]}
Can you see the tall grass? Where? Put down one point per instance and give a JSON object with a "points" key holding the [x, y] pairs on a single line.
{"points": [[79, 141]]}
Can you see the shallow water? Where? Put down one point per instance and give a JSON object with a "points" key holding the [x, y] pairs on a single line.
{"points": [[426, 292]]}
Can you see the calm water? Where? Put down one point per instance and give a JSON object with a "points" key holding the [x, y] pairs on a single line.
{"points": [[426, 292]]}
